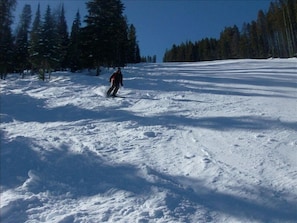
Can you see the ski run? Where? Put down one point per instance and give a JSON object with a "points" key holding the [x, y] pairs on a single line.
{"points": [[186, 142]]}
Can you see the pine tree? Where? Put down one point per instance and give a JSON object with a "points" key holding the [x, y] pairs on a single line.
{"points": [[6, 38], [254, 40], [173, 53], [44, 55], [204, 50], [105, 36], [74, 49], [189, 57], [138, 57], [154, 59], [263, 38], [244, 42], [62, 39], [133, 54], [119, 42], [225, 43], [273, 34], [289, 26], [49, 44], [21, 54], [35, 55]]}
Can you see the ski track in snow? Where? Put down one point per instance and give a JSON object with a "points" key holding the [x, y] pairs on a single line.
{"points": [[188, 142]]}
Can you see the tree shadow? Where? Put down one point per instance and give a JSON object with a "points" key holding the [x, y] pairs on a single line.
{"points": [[84, 174], [61, 171], [205, 79], [58, 172], [220, 123], [269, 205], [244, 122], [33, 109]]}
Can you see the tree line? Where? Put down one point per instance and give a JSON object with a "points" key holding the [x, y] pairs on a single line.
{"points": [[149, 59], [273, 34], [45, 44]]}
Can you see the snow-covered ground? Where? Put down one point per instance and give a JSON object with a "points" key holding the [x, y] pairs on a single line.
{"points": [[188, 142]]}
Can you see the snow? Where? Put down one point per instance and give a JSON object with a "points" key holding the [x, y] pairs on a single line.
{"points": [[188, 142]]}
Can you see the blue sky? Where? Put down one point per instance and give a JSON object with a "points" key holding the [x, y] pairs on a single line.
{"points": [[162, 23]]}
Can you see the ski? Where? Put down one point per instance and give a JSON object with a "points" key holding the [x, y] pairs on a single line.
{"points": [[116, 96]]}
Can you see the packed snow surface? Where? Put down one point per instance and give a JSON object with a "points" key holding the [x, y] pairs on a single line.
{"points": [[186, 142]]}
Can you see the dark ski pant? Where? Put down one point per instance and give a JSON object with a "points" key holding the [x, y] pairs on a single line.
{"points": [[114, 88]]}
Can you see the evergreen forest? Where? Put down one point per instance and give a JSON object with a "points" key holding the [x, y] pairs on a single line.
{"points": [[273, 34], [42, 43]]}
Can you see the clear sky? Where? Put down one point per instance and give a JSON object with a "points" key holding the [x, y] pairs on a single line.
{"points": [[162, 23]]}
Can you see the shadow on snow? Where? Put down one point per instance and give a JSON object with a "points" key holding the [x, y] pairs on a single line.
{"points": [[82, 175], [34, 110], [59, 171]]}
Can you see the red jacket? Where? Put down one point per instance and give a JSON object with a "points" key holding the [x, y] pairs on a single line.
{"points": [[116, 78]]}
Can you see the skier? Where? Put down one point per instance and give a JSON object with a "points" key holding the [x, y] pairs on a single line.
{"points": [[116, 79]]}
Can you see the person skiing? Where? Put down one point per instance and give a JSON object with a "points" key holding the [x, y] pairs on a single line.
{"points": [[116, 79]]}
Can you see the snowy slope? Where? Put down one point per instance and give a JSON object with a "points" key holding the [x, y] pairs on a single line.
{"points": [[189, 142]]}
